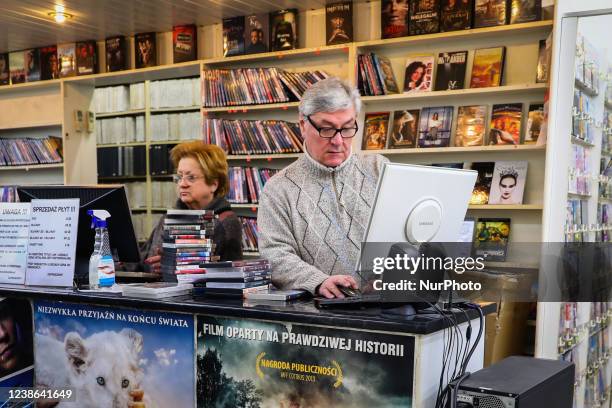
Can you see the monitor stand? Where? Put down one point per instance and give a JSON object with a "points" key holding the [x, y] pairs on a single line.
{"points": [[397, 311]]}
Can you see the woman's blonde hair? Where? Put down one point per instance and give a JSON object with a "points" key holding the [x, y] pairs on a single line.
{"points": [[212, 160]]}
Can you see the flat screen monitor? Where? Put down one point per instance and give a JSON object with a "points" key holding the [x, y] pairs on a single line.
{"points": [[420, 204], [111, 198], [416, 210]]}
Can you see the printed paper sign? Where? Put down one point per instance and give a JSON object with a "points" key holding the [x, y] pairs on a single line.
{"points": [[52, 244], [14, 231]]}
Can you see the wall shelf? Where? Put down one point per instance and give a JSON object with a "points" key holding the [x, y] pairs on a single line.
{"points": [[122, 113], [121, 144], [277, 55], [537, 27], [33, 126], [176, 109], [30, 167], [468, 150], [268, 157], [459, 93], [247, 108]]}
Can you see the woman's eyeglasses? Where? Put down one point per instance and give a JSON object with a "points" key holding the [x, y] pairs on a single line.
{"points": [[330, 132], [189, 178]]}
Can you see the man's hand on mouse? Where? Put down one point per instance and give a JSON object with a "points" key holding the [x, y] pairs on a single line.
{"points": [[329, 287]]}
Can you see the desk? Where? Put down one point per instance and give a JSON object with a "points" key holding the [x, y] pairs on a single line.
{"points": [[186, 352]]}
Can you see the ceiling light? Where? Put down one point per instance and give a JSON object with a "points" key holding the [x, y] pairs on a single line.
{"points": [[59, 14]]}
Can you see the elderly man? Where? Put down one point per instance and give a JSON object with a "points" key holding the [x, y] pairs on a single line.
{"points": [[313, 213]]}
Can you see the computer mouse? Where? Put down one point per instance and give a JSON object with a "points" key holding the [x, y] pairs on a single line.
{"points": [[348, 291]]}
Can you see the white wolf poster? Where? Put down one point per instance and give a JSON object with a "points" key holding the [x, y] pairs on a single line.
{"points": [[111, 356], [259, 364]]}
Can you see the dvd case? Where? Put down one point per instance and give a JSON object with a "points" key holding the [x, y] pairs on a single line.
{"points": [[435, 126], [339, 23], [283, 27], [256, 34], [145, 49], [185, 43], [487, 67], [233, 36], [394, 18], [450, 70]]}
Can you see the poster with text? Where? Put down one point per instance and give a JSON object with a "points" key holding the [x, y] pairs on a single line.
{"points": [[282, 365], [112, 356]]}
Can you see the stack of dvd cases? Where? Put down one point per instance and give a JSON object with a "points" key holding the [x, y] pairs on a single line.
{"points": [[19, 152], [254, 86], [253, 136], [247, 183], [187, 242]]}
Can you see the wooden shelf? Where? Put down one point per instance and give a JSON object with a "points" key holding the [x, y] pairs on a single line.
{"points": [[29, 167], [122, 113], [494, 90], [268, 157], [247, 108], [176, 109], [276, 55], [166, 142], [130, 76], [514, 207], [121, 144], [475, 149], [537, 27], [33, 125], [35, 86], [245, 205], [112, 178]]}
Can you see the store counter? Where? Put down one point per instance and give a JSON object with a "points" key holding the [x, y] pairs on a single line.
{"points": [[283, 355]]}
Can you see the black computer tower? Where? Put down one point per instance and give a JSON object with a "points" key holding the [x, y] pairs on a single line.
{"points": [[519, 382]]}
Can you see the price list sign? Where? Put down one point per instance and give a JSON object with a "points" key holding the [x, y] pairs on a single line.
{"points": [[14, 229], [52, 244]]}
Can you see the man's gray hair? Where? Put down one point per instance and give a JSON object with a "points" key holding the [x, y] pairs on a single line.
{"points": [[330, 95]]}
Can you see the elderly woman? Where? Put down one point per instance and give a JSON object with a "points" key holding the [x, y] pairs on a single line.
{"points": [[202, 183]]}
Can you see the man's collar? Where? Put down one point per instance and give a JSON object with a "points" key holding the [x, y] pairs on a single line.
{"points": [[324, 168]]}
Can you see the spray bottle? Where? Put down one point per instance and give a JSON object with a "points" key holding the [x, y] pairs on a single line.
{"points": [[101, 263]]}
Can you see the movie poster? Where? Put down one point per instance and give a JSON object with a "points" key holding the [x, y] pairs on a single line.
{"points": [[112, 356], [17, 356], [394, 18], [263, 364]]}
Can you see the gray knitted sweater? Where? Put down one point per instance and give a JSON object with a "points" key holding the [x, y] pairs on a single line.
{"points": [[312, 219]]}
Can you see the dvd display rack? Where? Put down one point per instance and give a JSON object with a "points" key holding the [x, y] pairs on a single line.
{"points": [[581, 332]]}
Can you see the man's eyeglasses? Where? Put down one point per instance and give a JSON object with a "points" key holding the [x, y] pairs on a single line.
{"points": [[330, 132], [189, 178]]}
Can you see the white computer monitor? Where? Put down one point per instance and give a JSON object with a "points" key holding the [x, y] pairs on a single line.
{"points": [[419, 204]]}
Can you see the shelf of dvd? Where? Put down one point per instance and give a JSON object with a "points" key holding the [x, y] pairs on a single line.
{"points": [[535, 28], [276, 55], [467, 150], [32, 125], [248, 108], [268, 157], [32, 167], [506, 90], [176, 109], [578, 331], [117, 114]]}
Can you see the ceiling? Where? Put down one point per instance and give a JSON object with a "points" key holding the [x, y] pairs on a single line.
{"points": [[26, 24]]}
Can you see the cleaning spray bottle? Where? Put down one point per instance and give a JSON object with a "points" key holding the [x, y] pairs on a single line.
{"points": [[101, 263]]}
